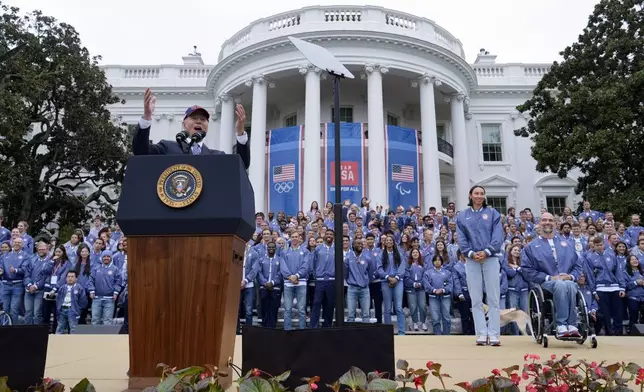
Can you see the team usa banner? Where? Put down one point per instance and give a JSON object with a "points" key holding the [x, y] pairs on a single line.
{"points": [[352, 163], [402, 157], [285, 169]]}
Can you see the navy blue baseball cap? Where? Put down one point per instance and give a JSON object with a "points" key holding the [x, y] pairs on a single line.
{"points": [[196, 108]]}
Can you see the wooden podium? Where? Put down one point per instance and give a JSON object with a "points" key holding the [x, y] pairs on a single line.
{"points": [[187, 219]]}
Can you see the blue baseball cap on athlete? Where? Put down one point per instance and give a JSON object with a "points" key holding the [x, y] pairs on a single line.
{"points": [[196, 108]]}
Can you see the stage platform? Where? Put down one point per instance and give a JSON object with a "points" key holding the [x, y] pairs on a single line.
{"points": [[103, 359]]}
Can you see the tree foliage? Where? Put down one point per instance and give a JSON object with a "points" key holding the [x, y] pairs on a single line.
{"points": [[587, 112], [61, 155]]}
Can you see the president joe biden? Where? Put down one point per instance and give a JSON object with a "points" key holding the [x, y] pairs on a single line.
{"points": [[195, 120]]}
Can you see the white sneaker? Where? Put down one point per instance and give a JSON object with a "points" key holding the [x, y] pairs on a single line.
{"points": [[562, 330], [573, 331], [415, 326], [481, 341], [425, 327]]}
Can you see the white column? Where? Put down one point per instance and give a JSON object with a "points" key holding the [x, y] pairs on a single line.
{"points": [[312, 144], [214, 129], [461, 164], [227, 127], [257, 169], [377, 174], [431, 171]]}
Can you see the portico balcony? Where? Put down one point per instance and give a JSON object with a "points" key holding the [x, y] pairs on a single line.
{"points": [[325, 19]]}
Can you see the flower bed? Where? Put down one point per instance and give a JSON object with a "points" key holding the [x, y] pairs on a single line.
{"points": [[553, 375]]}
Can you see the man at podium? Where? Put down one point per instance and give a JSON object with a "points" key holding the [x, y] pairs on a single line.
{"points": [[195, 124]]}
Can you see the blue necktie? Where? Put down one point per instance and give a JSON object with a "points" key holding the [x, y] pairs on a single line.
{"points": [[196, 149]]}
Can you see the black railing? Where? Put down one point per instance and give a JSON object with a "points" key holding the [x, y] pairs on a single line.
{"points": [[445, 147]]}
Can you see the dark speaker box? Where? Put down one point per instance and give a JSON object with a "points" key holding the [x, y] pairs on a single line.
{"points": [[637, 330], [97, 330], [23, 353], [324, 352]]}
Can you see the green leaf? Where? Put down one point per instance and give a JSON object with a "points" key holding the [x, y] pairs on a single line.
{"points": [[382, 384], [407, 389], [633, 368], [372, 376], [401, 364], [480, 383], [354, 378], [255, 384], [302, 388], [283, 377], [463, 385], [501, 383], [3, 385], [169, 383], [84, 386]]}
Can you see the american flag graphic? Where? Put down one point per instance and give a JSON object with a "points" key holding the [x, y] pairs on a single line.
{"points": [[283, 173], [402, 173]]}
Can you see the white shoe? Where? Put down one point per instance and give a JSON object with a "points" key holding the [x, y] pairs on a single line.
{"points": [[415, 326], [425, 327], [562, 330], [481, 341], [573, 331]]}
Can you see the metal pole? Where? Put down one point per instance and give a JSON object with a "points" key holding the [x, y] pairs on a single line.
{"points": [[337, 212]]}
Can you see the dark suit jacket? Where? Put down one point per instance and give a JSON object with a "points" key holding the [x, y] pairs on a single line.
{"points": [[141, 146]]}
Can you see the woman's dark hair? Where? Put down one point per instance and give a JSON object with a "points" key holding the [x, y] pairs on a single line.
{"points": [[469, 204], [444, 254], [625, 248], [410, 260], [438, 257], [385, 258], [317, 206], [88, 267], [629, 267], [65, 258]]}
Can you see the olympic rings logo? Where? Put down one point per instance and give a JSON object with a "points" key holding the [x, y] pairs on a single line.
{"points": [[284, 187]]}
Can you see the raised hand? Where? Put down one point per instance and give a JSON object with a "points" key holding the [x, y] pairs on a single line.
{"points": [[240, 113], [149, 103]]}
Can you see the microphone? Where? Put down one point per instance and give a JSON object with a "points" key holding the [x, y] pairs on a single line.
{"points": [[181, 137], [198, 136]]}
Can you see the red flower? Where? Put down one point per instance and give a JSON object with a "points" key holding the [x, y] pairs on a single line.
{"points": [[545, 369], [593, 365], [525, 375], [572, 370], [600, 373], [429, 365], [314, 386], [418, 382], [255, 372], [205, 375], [515, 378], [468, 386], [532, 367], [47, 380], [553, 356], [531, 388], [564, 388], [496, 372]]}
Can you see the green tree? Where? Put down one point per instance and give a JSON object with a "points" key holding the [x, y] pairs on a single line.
{"points": [[588, 112], [61, 154]]}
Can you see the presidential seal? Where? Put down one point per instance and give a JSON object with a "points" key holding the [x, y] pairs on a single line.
{"points": [[179, 186]]}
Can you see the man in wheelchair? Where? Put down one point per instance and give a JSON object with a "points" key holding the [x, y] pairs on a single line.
{"points": [[550, 262]]}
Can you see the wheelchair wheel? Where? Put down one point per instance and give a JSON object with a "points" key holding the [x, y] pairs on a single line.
{"points": [[584, 320], [5, 319], [536, 322]]}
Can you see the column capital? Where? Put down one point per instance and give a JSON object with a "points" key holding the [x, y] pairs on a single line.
{"points": [[306, 68], [426, 79], [371, 68], [460, 97], [468, 116], [258, 79], [221, 98]]}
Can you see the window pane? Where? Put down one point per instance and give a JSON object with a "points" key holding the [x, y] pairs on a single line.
{"points": [[556, 204], [290, 121], [392, 120], [346, 114], [498, 203], [440, 131], [491, 133]]}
